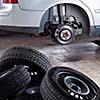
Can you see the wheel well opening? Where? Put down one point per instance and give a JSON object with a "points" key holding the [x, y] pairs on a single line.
{"points": [[71, 9]]}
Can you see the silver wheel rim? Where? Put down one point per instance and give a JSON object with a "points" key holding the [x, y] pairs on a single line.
{"points": [[77, 88], [74, 87]]}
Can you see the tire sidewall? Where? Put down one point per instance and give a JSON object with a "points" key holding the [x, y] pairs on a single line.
{"points": [[52, 78], [32, 58]]}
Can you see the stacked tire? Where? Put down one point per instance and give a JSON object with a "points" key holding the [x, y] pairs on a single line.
{"points": [[61, 83], [27, 74], [13, 81], [36, 64]]}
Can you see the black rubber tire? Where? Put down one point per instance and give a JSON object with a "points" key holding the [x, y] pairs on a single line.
{"points": [[31, 55], [25, 56], [36, 61], [13, 81], [27, 98], [52, 90]]}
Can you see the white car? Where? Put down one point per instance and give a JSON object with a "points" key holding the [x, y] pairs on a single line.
{"points": [[63, 19]]}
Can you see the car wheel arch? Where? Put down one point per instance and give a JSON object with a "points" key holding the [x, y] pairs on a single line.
{"points": [[88, 15]]}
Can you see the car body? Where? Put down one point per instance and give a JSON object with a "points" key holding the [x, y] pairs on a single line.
{"points": [[32, 15]]}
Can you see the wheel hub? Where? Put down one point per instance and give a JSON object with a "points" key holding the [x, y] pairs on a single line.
{"points": [[65, 35], [76, 85]]}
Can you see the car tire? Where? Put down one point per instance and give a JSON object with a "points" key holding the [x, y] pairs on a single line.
{"points": [[29, 51], [36, 61], [53, 86], [33, 95], [13, 81]]}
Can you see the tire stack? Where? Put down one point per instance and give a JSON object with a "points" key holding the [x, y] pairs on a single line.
{"points": [[27, 74], [29, 67]]}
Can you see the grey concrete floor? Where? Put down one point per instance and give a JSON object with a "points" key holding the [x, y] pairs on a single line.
{"points": [[81, 55]]}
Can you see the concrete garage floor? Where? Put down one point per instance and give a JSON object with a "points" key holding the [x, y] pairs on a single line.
{"points": [[81, 55]]}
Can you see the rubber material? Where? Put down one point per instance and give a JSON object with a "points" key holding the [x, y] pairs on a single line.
{"points": [[36, 61], [13, 81], [51, 90], [24, 55]]}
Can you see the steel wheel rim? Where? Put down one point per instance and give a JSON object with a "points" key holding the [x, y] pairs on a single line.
{"points": [[61, 77], [76, 84]]}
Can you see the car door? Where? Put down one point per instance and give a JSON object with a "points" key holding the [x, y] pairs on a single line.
{"points": [[1, 2], [34, 4]]}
